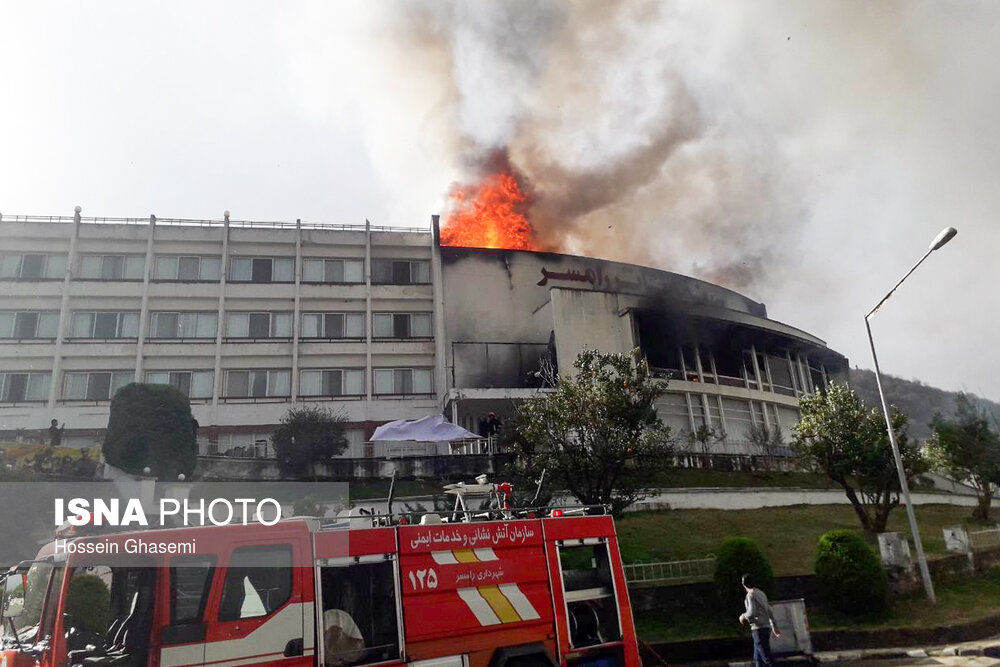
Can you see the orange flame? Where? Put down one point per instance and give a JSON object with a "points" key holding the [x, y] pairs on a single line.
{"points": [[490, 214]]}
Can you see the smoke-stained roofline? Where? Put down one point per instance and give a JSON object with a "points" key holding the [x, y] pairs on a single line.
{"points": [[566, 256]]}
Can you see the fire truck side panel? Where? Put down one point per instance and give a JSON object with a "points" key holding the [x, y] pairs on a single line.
{"points": [[473, 587]]}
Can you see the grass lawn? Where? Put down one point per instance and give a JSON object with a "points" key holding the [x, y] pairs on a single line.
{"points": [[787, 535], [959, 602]]}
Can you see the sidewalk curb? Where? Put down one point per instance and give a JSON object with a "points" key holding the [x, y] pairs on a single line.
{"points": [[989, 650]]}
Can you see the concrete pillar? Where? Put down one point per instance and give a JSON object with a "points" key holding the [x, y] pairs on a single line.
{"points": [[295, 310], [144, 308], [804, 372], [440, 330], [369, 375], [221, 327], [756, 368], [55, 381], [793, 374]]}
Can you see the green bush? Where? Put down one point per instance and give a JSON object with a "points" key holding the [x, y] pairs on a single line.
{"points": [[850, 577], [306, 506], [88, 602], [151, 425], [739, 556]]}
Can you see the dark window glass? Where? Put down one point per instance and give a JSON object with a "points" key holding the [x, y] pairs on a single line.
{"points": [[258, 383], [238, 383], [334, 325], [260, 325], [403, 381], [25, 325], [401, 273], [401, 325], [187, 268], [334, 272], [382, 271], [98, 386], [258, 581], [31, 266], [190, 581], [181, 382], [17, 386], [332, 383], [261, 272], [166, 325], [105, 325]]}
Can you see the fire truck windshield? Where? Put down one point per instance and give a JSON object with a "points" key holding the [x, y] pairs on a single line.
{"points": [[34, 585]]}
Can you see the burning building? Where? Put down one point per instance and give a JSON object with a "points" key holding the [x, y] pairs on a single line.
{"points": [[249, 318], [729, 367]]}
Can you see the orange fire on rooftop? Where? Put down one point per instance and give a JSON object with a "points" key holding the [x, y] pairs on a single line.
{"points": [[490, 214]]}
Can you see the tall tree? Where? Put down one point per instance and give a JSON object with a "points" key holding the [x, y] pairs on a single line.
{"points": [[597, 433], [308, 435], [965, 447], [151, 425], [849, 443]]}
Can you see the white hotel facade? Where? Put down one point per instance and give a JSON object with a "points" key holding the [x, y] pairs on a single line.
{"points": [[245, 318], [249, 318]]}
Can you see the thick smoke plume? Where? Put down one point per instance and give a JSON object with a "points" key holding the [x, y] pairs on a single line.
{"points": [[594, 105], [733, 141]]}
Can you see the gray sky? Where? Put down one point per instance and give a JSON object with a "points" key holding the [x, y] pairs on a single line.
{"points": [[803, 153]]}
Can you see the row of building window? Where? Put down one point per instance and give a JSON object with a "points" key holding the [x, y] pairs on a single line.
{"points": [[205, 268], [105, 325], [20, 387]]}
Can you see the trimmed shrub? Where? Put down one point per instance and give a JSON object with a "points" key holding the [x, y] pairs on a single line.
{"points": [[151, 425], [739, 556], [88, 602], [308, 435], [850, 577]]}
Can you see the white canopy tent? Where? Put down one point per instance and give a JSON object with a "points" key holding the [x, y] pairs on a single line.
{"points": [[428, 436]]}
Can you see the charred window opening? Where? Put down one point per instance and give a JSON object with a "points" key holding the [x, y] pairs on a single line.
{"points": [[591, 606], [359, 614], [660, 345]]}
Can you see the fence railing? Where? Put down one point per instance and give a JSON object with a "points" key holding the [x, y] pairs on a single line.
{"points": [[984, 539], [193, 222], [675, 571]]}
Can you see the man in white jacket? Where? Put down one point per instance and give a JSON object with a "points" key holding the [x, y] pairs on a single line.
{"points": [[761, 619]]}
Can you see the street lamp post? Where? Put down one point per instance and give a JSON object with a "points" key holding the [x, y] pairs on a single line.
{"points": [[943, 237]]}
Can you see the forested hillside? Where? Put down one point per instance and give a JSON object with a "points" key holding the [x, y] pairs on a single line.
{"points": [[920, 401]]}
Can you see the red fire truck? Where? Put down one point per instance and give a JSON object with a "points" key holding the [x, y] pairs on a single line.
{"points": [[507, 591]]}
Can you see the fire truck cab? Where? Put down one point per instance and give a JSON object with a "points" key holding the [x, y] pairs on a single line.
{"points": [[497, 593]]}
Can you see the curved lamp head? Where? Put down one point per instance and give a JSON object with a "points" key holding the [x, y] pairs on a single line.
{"points": [[945, 235]]}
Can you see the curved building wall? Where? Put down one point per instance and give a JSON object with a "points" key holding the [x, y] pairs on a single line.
{"points": [[729, 368]]}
